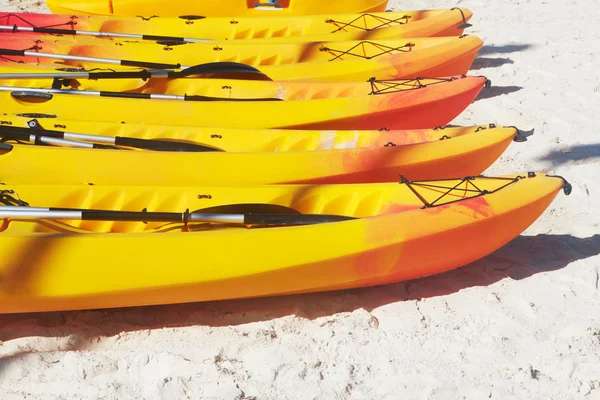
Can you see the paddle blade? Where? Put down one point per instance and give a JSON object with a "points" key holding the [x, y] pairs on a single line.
{"points": [[221, 69], [164, 145], [247, 208], [289, 220]]}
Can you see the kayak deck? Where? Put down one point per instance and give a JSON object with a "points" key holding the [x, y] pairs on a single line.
{"points": [[396, 237]]}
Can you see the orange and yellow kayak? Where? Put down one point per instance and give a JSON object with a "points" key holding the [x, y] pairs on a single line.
{"points": [[56, 259], [246, 140], [308, 28], [195, 85], [455, 152], [214, 8], [329, 61], [395, 104]]}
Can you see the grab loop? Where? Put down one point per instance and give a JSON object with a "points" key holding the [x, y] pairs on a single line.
{"points": [[567, 188], [148, 18], [465, 24]]}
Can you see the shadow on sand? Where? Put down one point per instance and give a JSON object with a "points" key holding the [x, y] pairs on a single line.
{"points": [[487, 62], [580, 153], [523, 257], [495, 91], [503, 49]]}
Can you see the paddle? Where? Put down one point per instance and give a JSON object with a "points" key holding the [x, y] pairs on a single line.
{"points": [[276, 218], [44, 140], [7, 197], [242, 213], [213, 68], [61, 138], [43, 94], [125, 63], [55, 31]]}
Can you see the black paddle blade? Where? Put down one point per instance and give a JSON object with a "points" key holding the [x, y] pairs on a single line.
{"points": [[220, 68], [247, 208], [289, 220], [272, 214], [164, 145]]}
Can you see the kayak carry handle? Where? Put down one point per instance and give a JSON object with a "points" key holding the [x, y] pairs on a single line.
{"points": [[5, 147], [22, 95], [36, 115], [170, 42], [192, 17]]}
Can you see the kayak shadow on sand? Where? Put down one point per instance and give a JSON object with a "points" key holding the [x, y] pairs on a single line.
{"points": [[582, 153], [487, 62], [523, 257], [495, 91], [503, 49]]}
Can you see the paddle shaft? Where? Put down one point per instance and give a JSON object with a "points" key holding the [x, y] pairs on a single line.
{"points": [[125, 63], [70, 139], [55, 31], [43, 94], [52, 141], [218, 67], [28, 213], [145, 74], [213, 68]]}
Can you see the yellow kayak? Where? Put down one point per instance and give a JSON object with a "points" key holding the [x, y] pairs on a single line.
{"points": [[246, 140], [329, 61], [413, 24], [379, 233], [384, 25], [456, 152], [213, 8], [400, 104], [196, 85]]}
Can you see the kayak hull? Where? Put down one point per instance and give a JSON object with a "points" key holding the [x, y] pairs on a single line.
{"points": [[324, 61], [213, 87], [310, 28], [415, 108], [251, 140], [468, 154], [46, 267]]}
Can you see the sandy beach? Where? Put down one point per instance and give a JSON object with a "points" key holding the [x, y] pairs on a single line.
{"points": [[522, 323]]}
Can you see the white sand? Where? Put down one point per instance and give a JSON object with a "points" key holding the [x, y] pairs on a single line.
{"points": [[523, 323]]}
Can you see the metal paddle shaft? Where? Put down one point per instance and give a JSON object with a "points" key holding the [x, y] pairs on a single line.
{"points": [[214, 68], [52, 141], [55, 31], [125, 63], [59, 138], [43, 94], [29, 213], [219, 67]]}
